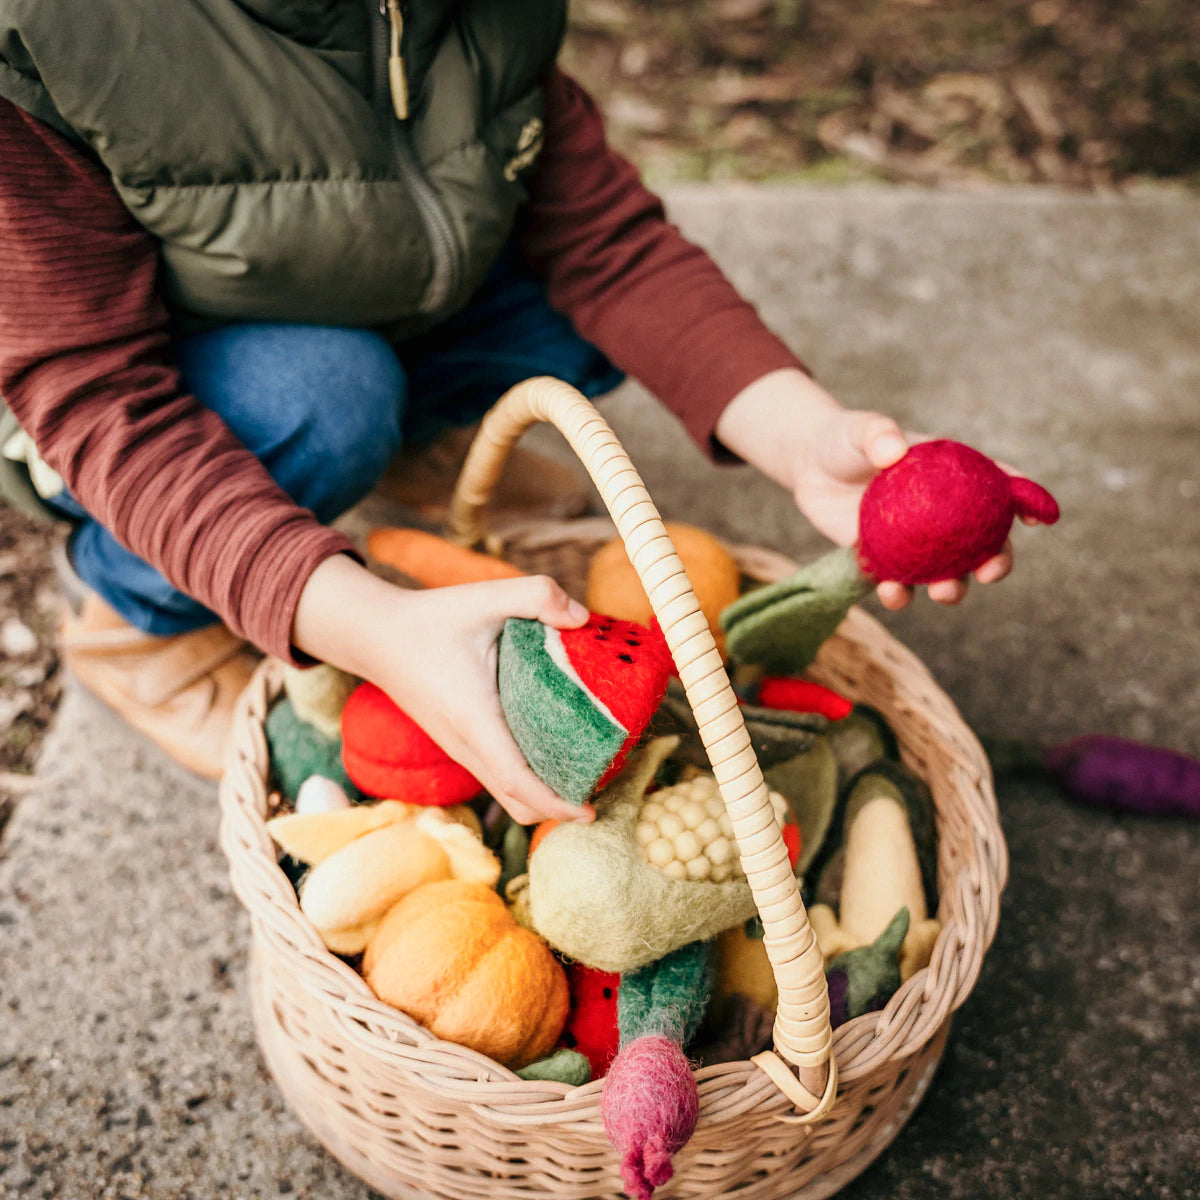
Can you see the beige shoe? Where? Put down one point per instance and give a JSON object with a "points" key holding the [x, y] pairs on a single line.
{"points": [[177, 691], [531, 486]]}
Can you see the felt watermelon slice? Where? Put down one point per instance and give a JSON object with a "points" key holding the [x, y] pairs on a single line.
{"points": [[577, 700]]}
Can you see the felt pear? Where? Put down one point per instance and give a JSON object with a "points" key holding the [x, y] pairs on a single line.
{"points": [[346, 894], [594, 897], [881, 873]]}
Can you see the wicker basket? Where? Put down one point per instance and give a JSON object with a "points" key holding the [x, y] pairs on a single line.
{"points": [[417, 1117]]}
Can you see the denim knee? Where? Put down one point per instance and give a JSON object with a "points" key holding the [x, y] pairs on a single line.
{"points": [[320, 407]]}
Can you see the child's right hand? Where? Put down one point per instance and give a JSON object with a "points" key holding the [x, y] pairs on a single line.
{"points": [[434, 652]]}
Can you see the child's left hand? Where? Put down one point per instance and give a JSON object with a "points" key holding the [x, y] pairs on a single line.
{"points": [[796, 433]]}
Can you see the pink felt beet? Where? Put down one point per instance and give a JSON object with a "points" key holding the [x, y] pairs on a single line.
{"points": [[942, 511], [650, 1106]]}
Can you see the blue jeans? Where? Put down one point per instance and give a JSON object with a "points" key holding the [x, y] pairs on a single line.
{"points": [[325, 409]]}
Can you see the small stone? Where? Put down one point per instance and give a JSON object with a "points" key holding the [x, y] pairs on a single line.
{"points": [[17, 639]]}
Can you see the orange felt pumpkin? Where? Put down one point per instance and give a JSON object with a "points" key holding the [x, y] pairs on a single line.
{"points": [[451, 957]]}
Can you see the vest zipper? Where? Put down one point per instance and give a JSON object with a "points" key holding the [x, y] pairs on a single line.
{"points": [[391, 80]]}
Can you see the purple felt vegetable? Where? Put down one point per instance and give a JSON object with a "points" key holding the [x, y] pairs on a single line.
{"points": [[1112, 772]]}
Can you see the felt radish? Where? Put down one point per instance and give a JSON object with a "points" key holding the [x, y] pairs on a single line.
{"points": [[650, 1102], [939, 513], [386, 753], [577, 700]]}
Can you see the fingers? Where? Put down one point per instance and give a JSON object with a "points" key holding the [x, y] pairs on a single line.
{"points": [[996, 568], [495, 759], [538, 598], [894, 596], [883, 442], [948, 591]]}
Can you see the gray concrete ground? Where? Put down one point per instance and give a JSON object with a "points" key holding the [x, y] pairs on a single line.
{"points": [[1056, 332]]}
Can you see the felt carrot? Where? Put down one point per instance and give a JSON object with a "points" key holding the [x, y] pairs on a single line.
{"points": [[433, 561]]}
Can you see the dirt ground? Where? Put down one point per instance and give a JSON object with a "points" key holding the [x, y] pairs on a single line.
{"points": [[946, 93]]}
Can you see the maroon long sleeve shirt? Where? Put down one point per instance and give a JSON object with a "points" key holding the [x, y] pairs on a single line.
{"points": [[87, 364]]}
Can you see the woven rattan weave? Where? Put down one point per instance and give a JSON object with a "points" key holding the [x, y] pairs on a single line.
{"points": [[418, 1117]]}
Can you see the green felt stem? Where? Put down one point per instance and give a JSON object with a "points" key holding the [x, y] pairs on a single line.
{"points": [[668, 998], [781, 627]]}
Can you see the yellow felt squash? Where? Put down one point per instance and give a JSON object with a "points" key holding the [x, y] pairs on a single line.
{"points": [[451, 956]]}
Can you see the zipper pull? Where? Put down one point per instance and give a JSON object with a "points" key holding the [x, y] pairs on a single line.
{"points": [[397, 77]]}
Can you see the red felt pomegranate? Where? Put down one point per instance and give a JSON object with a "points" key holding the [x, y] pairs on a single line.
{"points": [[386, 753], [942, 511]]}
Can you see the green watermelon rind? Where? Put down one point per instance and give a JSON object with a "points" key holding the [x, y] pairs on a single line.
{"points": [[552, 718]]}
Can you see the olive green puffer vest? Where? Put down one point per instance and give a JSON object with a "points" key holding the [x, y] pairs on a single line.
{"points": [[258, 140]]}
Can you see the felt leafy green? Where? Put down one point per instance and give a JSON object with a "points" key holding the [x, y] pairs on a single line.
{"points": [[865, 979], [781, 627], [667, 998]]}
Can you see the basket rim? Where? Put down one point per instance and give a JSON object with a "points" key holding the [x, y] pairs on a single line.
{"points": [[968, 902]]}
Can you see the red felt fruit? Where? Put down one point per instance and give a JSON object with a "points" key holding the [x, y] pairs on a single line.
{"points": [[942, 511], [386, 753], [803, 696], [591, 1026]]}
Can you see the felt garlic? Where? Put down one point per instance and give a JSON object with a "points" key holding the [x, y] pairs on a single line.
{"points": [[881, 873], [594, 897], [685, 832], [347, 893], [318, 794]]}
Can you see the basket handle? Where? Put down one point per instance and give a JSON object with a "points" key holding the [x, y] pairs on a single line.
{"points": [[802, 1031]]}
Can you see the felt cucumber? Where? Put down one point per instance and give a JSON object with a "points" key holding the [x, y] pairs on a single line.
{"points": [[577, 700]]}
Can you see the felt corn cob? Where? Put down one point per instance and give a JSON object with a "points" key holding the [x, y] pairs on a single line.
{"points": [[685, 832]]}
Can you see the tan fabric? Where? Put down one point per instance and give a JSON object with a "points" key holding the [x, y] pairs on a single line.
{"points": [[177, 691]]}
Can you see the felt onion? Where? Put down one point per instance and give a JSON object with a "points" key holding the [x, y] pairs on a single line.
{"points": [[1117, 773]]}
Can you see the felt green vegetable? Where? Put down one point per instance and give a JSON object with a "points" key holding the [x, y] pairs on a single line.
{"points": [[595, 898], [650, 1102], [299, 750], [866, 978], [563, 1066]]}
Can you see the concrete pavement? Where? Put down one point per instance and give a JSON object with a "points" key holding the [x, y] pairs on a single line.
{"points": [[1056, 332]]}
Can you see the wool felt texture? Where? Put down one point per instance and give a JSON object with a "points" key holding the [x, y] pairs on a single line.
{"points": [[865, 979], [299, 750], [941, 511], [563, 1066], [896, 780], [593, 896], [318, 694], [451, 957], [591, 1027], [649, 1107], [613, 585], [802, 695], [313, 837], [577, 700], [360, 882], [781, 627], [1127, 776], [668, 998], [859, 740], [808, 782], [514, 854], [433, 561], [387, 753], [318, 795]]}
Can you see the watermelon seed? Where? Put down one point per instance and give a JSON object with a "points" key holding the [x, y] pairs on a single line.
{"points": [[632, 642], [625, 657]]}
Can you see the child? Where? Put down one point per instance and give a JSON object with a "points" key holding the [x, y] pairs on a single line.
{"points": [[252, 249]]}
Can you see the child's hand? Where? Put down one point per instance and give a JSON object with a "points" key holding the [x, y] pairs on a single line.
{"points": [[797, 434], [434, 652]]}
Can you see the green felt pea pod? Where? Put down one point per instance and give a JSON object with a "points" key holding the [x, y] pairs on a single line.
{"points": [[594, 897], [563, 1066], [781, 627]]}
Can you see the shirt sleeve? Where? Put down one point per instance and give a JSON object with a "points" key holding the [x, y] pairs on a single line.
{"points": [[631, 283], [87, 368]]}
